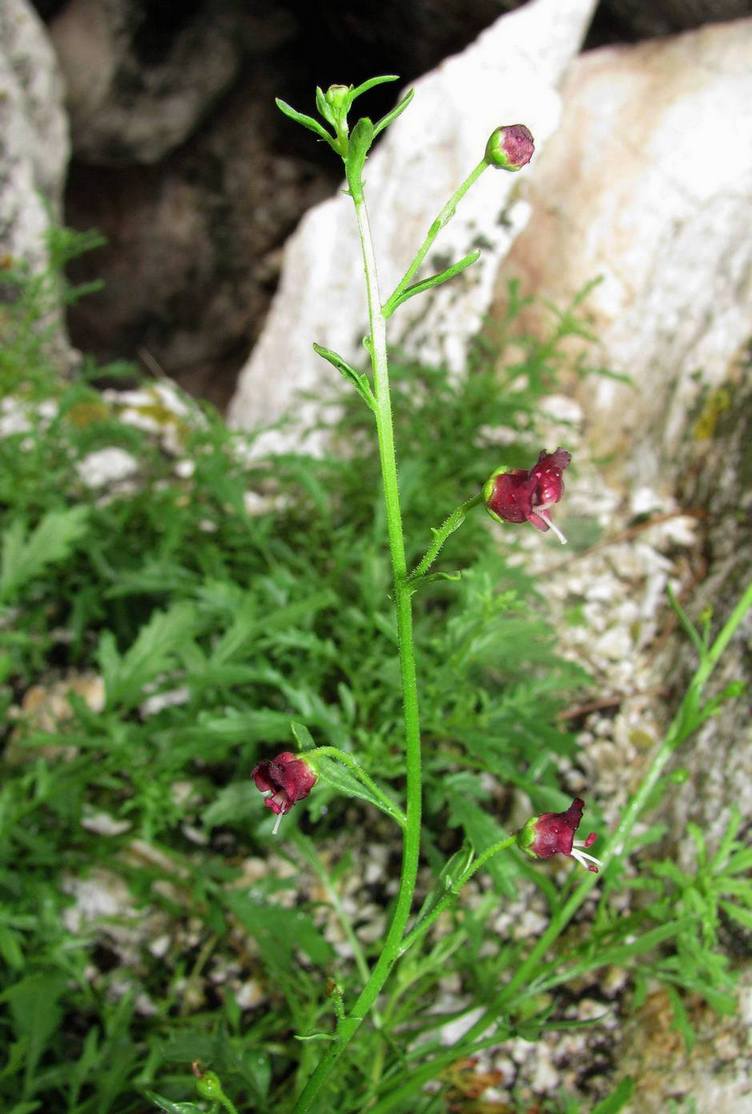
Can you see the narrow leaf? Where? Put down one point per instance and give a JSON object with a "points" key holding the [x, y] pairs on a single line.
{"points": [[617, 1100], [361, 139], [390, 117], [433, 280], [371, 82], [358, 380], [305, 121], [302, 735], [323, 106], [689, 627], [338, 777]]}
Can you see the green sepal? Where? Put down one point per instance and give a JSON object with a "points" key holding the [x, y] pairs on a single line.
{"points": [[433, 280], [305, 121], [371, 82], [357, 378], [526, 837], [361, 139], [390, 117]]}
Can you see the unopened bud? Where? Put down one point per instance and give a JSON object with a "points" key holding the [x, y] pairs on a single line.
{"points": [[337, 96], [510, 147]]}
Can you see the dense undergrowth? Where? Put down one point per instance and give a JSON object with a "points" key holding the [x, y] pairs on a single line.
{"points": [[161, 632]]}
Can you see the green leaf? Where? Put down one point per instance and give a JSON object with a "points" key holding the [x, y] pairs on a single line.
{"points": [[339, 778], [305, 121], [482, 831], [738, 913], [361, 139], [390, 117], [617, 1100], [370, 83], [155, 650], [279, 932], [36, 1014], [174, 1107], [357, 378], [682, 1024], [302, 736], [323, 106], [434, 280], [26, 556], [233, 804]]}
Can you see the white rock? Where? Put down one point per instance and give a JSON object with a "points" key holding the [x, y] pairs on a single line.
{"points": [[33, 133], [508, 75], [648, 183], [106, 466]]}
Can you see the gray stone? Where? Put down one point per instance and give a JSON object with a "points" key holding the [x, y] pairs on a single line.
{"points": [[132, 100], [509, 75]]}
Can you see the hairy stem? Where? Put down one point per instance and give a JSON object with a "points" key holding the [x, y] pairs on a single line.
{"points": [[447, 528], [442, 219], [351, 1022]]}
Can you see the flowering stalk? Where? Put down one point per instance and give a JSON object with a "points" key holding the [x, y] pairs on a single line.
{"points": [[349, 1024], [509, 148]]}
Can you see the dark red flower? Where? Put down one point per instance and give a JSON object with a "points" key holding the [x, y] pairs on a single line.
{"points": [[552, 833], [510, 147], [284, 781], [520, 495]]}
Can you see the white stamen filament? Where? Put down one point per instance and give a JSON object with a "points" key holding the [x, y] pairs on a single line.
{"points": [[583, 858], [541, 512], [277, 823], [267, 792]]}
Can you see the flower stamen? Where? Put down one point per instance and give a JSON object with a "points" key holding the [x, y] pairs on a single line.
{"points": [[541, 513]]}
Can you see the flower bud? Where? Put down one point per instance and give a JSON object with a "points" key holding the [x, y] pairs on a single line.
{"points": [[510, 147], [337, 97], [525, 495], [283, 781], [552, 833]]}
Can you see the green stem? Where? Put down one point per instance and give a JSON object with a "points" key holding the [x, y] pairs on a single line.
{"points": [[350, 1024], [347, 760], [442, 219], [422, 927], [448, 527]]}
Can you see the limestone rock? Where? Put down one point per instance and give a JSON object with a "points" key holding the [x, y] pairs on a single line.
{"points": [[648, 183], [136, 89], [508, 75], [33, 133]]}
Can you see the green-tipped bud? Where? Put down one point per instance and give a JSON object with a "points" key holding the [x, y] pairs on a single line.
{"points": [[510, 147], [207, 1083], [338, 97]]}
